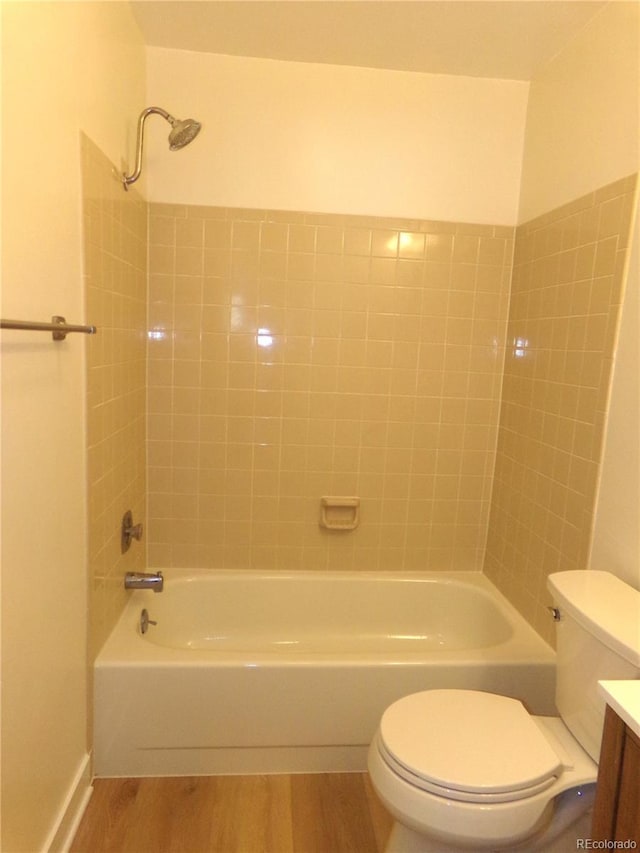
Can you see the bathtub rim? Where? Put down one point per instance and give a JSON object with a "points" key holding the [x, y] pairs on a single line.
{"points": [[525, 644]]}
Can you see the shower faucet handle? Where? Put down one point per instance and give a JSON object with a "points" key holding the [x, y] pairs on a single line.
{"points": [[129, 531], [135, 532]]}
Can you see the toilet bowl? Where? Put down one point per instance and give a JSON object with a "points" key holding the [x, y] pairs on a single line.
{"points": [[465, 769], [474, 770]]}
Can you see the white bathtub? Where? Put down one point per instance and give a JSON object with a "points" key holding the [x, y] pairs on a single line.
{"points": [[290, 672]]}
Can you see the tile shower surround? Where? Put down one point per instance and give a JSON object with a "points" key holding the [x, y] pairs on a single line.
{"points": [[296, 355], [566, 292], [115, 271]]}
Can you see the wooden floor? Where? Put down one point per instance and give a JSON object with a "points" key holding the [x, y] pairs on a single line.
{"points": [[310, 813]]}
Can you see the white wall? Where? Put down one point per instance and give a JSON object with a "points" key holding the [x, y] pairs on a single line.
{"points": [[65, 67], [582, 119], [336, 139]]}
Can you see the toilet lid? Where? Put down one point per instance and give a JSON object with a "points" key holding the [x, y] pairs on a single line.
{"points": [[480, 745]]}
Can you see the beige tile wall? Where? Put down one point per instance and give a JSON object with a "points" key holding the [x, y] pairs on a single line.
{"points": [[115, 249], [293, 356], [566, 294]]}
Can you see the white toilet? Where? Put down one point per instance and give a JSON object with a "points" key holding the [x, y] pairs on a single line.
{"points": [[463, 769]]}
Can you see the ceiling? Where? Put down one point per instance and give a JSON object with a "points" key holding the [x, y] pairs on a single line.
{"points": [[507, 39]]}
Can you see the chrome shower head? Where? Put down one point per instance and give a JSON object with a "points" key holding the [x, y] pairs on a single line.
{"points": [[182, 133]]}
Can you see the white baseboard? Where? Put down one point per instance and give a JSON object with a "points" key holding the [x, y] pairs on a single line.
{"points": [[71, 810]]}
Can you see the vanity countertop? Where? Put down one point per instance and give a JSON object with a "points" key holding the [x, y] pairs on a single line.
{"points": [[624, 698]]}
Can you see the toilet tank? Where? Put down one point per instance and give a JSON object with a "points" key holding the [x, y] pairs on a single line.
{"points": [[598, 637]]}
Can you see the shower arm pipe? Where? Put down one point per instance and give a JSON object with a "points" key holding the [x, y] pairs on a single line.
{"points": [[130, 179]]}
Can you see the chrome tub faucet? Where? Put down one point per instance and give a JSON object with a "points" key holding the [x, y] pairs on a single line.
{"points": [[144, 580]]}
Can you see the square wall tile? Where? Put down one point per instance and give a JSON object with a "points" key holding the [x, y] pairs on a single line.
{"points": [[115, 260], [564, 314], [310, 337]]}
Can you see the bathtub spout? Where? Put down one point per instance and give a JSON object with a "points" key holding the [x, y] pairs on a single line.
{"points": [[144, 580]]}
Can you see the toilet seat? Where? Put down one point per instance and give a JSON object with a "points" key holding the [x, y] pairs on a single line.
{"points": [[461, 817], [468, 746]]}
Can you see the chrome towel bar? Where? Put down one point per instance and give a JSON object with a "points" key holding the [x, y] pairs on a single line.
{"points": [[58, 327]]}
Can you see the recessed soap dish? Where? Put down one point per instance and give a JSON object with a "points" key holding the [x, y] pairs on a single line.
{"points": [[340, 513]]}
